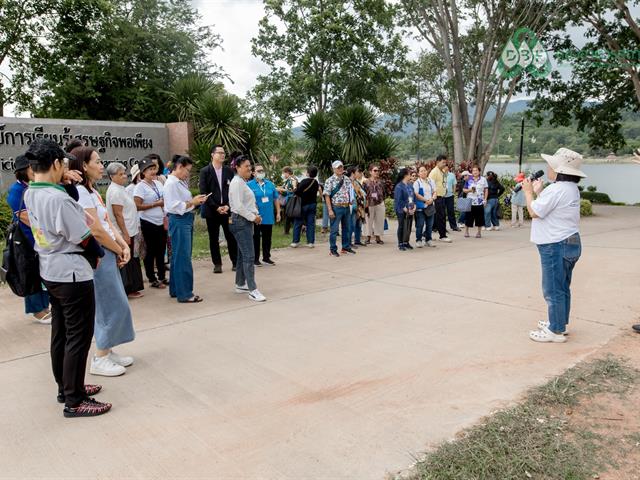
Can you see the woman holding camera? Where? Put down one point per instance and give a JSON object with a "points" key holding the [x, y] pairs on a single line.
{"points": [[555, 230]]}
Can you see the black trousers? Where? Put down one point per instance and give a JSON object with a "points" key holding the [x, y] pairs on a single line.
{"points": [[441, 221], [451, 212], [213, 227], [263, 232], [73, 308], [155, 237]]}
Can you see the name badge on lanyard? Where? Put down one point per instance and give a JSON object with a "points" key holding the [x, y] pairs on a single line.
{"points": [[265, 199]]}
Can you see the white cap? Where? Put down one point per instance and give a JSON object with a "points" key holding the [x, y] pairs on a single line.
{"points": [[337, 164]]}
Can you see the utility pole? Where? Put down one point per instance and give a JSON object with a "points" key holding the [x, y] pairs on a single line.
{"points": [[521, 145]]}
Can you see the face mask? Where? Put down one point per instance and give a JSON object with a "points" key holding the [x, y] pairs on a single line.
{"points": [[283, 176], [260, 176]]}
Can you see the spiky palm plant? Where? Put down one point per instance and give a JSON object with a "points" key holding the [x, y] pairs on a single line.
{"points": [[355, 123], [218, 119], [381, 146], [255, 135], [319, 130], [185, 93]]}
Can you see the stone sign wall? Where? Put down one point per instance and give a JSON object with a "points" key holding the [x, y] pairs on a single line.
{"points": [[124, 142]]}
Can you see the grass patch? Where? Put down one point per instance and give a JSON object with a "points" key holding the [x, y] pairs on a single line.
{"points": [[533, 439]]}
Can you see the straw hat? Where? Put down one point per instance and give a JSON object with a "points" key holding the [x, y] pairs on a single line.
{"points": [[565, 161]]}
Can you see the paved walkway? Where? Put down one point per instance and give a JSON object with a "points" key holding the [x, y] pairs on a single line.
{"points": [[352, 367]]}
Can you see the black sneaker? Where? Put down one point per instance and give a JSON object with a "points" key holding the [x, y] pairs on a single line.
{"points": [[217, 269], [89, 391], [87, 408], [360, 244], [269, 262], [348, 250], [408, 246], [334, 253], [257, 263], [402, 248], [636, 328]]}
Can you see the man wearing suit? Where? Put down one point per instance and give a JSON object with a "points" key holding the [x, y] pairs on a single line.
{"points": [[214, 180]]}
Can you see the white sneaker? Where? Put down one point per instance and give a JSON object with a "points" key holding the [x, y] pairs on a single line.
{"points": [[242, 289], [106, 367], [485, 228], [419, 244], [294, 245], [445, 239], [310, 245], [120, 360], [542, 324], [546, 336], [496, 228], [257, 296], [46, 320], [430, 244]]}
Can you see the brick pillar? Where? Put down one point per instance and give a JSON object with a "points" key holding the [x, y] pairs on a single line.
{"points": [[180, 138]]}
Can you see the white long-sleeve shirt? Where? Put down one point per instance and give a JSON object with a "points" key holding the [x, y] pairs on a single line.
{"points": [[242, 201], [176, 196]]}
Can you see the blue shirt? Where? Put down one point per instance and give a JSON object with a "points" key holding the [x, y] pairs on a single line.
{"points": [[14, 199], [402, 197], [266, 195], [451, 184]]}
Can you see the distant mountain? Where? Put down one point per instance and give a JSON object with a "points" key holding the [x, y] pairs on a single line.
{"points": [[515, 107]]}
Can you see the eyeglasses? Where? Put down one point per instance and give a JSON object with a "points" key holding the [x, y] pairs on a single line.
{"points": [[375, 170], [220, 152]]}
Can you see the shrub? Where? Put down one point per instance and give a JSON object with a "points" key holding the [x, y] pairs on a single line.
{"points": [[596, 197], [388, 208], [586, 209], [6, 215], [592, 188]]}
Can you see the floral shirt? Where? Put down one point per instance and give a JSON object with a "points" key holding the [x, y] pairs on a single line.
{"points": [[343, 194], [477, 197], [375, 192]]}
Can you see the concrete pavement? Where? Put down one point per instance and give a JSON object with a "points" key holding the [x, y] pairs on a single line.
{"points": [[350, 369]]}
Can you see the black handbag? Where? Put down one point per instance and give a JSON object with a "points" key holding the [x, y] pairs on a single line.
{"points": [[293, 209]]}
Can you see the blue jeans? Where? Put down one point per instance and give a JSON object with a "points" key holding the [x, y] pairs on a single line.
{"points": [[308, 218], [341, 219], [325, 216], [242, 230], [491, 213], [36, 303], [355, 228], [181, 278], [424, 226], [557, 260]]}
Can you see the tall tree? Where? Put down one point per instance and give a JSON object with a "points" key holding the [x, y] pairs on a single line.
{"points": [[469, 36], [326, 53], [114, 59], [21, 24], [605, 73]]}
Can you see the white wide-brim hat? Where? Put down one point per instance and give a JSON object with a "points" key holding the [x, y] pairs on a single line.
{"points": [[565, 161]]}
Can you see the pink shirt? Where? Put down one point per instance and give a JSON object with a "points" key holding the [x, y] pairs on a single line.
{"points": [[219, 175]]}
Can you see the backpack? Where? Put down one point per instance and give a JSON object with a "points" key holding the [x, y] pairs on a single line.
{"points": [[20, 265]]}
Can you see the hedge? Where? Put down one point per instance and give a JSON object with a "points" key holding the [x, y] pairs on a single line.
{"points": [[596, 197]]}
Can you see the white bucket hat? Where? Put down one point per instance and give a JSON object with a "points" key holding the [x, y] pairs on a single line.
{"points": [[565, 161]]}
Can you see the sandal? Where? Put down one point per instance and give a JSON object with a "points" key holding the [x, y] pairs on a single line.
{"points": [[478, 235], [542, 324], [135, 295], [466, 235], [546, 336], [379, 242], [157, 284], [194, 299]]}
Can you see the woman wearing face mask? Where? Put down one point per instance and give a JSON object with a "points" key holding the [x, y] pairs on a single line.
{"points": [[179, 204], [244, 215], [113, 324], [267, 200], [286, 191]]}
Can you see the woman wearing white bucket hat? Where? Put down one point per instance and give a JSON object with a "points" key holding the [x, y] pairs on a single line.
{"points": [[555, 230]]}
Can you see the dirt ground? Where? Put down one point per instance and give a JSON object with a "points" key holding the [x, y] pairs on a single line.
{"points": [[614, 418]]}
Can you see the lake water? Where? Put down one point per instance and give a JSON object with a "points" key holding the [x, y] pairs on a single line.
{"points": [[620, 181]]}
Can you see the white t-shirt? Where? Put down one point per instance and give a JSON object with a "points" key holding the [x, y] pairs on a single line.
{"points": [[150, 194], [477, 197], [558, 207], [117, 195], [92, 199]]}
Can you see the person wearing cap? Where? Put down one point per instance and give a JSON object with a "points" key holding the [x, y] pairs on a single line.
{"points": [[149, 198], [135, 178], [36, 304], [555, 229], [61, 233], [124, 217], [337, 195], [518, 202]]}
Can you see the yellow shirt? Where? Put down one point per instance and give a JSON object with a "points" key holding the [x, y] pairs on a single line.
{"points": [[439, 179]]}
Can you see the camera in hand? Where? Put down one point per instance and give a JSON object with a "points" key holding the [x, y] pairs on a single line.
{"points": [[533, 178]]}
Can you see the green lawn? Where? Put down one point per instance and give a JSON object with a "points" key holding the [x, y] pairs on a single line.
{"points": [[279, 239]]}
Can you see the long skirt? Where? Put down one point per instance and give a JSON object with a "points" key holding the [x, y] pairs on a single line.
{"points": [[114, 324]]}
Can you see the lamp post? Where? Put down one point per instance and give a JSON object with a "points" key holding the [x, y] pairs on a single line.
{"points": [[521, 145]]}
